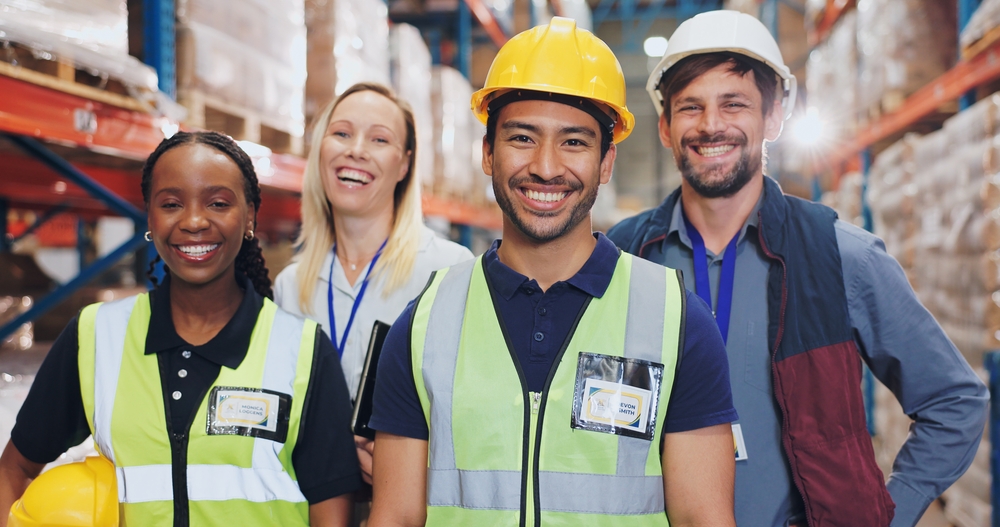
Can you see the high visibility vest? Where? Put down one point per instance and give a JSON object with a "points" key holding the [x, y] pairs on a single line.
{"points": [[231, 479], [499, 455]]}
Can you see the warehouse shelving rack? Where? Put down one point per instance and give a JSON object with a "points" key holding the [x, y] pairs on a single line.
{"points": [[959, 83]]}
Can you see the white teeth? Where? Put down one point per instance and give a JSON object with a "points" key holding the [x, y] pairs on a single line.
{"points": [[354, 175], [714, 151], [546, 197], [197, 250]]}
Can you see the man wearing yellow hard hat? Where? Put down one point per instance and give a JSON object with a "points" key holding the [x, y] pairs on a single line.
{"points": [[554, 380], [801, 297]]}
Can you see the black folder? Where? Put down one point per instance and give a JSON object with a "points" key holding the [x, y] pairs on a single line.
{"points": [[366, 388]]}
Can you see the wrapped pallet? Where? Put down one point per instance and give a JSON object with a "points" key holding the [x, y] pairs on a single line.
{"points": [[411, 79], [846, 200], [348, 42], [891, 196], [457, 136], [241, 68], [831, 71], [87, 34], [903, 45]]}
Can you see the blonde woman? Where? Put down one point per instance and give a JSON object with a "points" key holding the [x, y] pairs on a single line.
{"points": [[365, 252]]}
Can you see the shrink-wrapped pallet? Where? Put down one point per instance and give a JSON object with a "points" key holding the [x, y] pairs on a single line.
{"points": [[411, 78], [903, 45], [892, 195], [92, 34], [983, 21], [242, 64], [457, 135], [831, 73], [846, 200], [348, 42]]}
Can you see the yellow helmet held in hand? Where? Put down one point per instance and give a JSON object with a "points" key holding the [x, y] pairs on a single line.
{"points": [[559, 59], [82, 494]]}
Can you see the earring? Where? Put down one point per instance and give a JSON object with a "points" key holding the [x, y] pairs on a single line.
{"points": [[249, 235], [148, 236]]}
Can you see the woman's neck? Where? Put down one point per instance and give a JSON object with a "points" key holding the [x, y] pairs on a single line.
{"points": [[201, 311], [358, 239]]}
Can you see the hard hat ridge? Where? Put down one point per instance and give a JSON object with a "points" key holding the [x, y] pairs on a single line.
{"points": [[558, 58]]}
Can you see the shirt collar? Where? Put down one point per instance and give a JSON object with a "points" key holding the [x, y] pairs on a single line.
{"points": [[593, 278], [227, 348], [677, 222]]}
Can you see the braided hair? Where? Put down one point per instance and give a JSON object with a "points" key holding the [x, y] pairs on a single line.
{"points": [[250, 260]]}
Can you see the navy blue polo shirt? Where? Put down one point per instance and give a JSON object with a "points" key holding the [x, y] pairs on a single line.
{"points": [[538, 323]]}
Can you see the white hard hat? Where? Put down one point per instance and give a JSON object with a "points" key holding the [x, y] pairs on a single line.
{"points": [[721, 31]]}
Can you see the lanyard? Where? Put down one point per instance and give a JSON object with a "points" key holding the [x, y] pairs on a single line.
{"points": [[357, 300], [702, 285]]}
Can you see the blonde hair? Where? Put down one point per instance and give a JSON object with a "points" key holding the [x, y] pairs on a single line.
{"points": [[318, 235]]}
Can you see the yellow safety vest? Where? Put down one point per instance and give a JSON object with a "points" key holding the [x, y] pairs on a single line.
{"points": [[231, 479], [500, 455]]}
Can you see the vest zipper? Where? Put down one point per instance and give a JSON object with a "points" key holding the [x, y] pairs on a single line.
{"points": [[178, 471], [536, 401]]}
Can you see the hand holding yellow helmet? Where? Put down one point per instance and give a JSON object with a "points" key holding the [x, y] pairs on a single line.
{"points": [[559, 59], [82, 494]]}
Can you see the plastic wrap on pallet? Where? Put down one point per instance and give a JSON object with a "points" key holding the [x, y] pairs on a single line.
{"points": [[891, 196], [985, 19], [457, 135], [831, 71], [903, 45], [846, 200], [348, 43], [411, 78], [91, 33]]}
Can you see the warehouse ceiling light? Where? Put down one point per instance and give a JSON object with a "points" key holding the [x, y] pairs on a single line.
{"points": [[655, 46], [809, 129]]}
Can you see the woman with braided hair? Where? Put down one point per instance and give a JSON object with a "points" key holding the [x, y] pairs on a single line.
{"points": [[216, 406]]}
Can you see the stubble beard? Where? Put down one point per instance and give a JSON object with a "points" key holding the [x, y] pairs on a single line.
{"points": [[542, 234], [731, 182]]}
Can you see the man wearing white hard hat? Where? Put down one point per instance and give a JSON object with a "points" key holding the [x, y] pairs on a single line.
{"points": [[801, 299]]}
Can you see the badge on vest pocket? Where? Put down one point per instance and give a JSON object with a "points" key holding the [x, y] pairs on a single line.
{"points": [[250, 412], [616, 395]]}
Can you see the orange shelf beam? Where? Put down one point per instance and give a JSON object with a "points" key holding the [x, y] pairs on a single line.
{"points": [[463, 213], [488, 21], [834, 10], [966, 75]]}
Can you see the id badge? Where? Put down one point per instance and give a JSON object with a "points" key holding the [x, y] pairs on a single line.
{"points": [[250, 412], [616, 395]]}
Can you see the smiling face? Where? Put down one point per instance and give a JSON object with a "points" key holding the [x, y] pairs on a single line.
{"points": [[717, 131], [363, 155], [546, 167], [198, 213]]}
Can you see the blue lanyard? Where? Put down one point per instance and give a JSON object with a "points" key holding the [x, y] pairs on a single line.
{"points": [[357, 300], [726, 280]]}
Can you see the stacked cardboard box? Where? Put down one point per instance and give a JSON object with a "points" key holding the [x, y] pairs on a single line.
{"points": [[831, 73], [241, 68], [411, 78], [458, 137], [348, 42], [903, 45], [937, 199]]}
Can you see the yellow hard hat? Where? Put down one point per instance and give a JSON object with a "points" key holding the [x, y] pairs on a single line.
{"points": [[560, 59], [82, 494]]}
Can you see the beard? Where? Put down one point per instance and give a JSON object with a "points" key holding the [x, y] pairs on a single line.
{"points": [[716, 182], [541, 232]]}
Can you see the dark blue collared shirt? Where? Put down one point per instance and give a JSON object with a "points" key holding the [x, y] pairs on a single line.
{"points": [[538, 323]]}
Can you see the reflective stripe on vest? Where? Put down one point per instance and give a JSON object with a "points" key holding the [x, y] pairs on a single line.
{"points": [[451, 317], [227, 467]]}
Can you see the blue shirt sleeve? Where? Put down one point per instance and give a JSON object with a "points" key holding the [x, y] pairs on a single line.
{"points": [[396, 407], [910, 354], [702, 395]]}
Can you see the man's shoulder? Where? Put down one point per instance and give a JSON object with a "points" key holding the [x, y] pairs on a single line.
{"points": [[629, 232]]}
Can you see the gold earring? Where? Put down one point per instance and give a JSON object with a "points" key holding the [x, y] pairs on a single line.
{"points": [[148, 236]]}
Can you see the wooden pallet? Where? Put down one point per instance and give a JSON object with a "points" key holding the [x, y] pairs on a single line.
{"points": [[212, 113], [58, 73], [982, 44]]}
